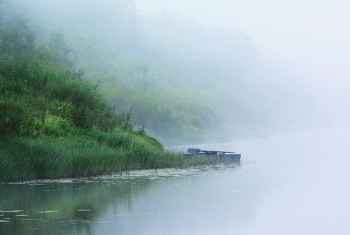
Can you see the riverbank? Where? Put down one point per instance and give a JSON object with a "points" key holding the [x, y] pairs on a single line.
{"points": [[55, 124], [47, 157]]}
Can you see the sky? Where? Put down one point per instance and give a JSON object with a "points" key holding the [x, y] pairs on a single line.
{"points": [[310, 37], [315, 31]]}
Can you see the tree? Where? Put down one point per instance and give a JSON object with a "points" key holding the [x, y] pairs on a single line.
{"points": [[1, 13], [58, 43], [16, 36]]}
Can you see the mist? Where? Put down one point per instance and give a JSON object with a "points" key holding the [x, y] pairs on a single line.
{"points": [[168, 61], [278, 66], [266, 79], [306, 40]]}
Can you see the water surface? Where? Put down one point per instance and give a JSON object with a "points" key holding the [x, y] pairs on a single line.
{"points": [[285, 185]]}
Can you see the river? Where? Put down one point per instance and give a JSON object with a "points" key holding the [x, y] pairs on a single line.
{"points": [[296, 184]]}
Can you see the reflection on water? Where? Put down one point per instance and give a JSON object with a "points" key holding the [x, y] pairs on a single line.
{"points": [[285, 185], [62, 207], [81, 206]]}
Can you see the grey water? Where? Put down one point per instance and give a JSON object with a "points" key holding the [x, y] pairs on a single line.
{"points": [[296, 184]]}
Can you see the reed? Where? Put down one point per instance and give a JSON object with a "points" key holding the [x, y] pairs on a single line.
{"points": [[49, 157], [53, 124]]}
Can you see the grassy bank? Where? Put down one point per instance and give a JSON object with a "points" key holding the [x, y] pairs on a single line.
{"points": [[25, 158], [49, 157], [56, 125]]}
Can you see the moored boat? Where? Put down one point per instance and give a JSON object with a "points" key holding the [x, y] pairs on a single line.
{"points": [[236, 157]]}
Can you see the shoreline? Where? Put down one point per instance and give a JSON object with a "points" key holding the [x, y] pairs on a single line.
{"points": [[142, 173]]}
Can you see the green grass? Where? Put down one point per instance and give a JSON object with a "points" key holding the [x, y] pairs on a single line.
{"points": [[50, 157], [54, 124]]}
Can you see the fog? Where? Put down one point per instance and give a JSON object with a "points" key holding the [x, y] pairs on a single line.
{"points": [[267, 79], [277, 66], [308, 42], [305, 39], [304, 32]]}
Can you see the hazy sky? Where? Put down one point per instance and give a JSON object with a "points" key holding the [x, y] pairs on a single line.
{"points": [[312, 36], [314, 31]]}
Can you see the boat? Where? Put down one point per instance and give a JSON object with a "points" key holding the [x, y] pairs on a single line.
{"points": [[236, 157]]}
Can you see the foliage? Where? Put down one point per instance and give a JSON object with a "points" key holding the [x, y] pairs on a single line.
{"points": [[44, 137], [16, 37], [54, 123], [60, 50], [186, 83], [88, 154], [59, 44], [37, 95]]}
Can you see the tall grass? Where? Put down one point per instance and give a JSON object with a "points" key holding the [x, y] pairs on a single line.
{"points": [[50, 157], [31, 90], [53, 124], [23, 158]]}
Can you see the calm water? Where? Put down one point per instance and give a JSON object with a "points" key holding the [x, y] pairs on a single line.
{"points": [[286, 185]]}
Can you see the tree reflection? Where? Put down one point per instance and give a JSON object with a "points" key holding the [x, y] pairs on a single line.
{"points": [[58, 207]]}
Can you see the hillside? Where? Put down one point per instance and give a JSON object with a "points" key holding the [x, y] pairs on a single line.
{"points": [[186, 83], [54, 124]]}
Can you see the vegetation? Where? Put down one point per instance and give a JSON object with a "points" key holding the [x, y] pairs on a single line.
{"points": [[94, 80], [191, 84], [55, 124], [185, 82]]}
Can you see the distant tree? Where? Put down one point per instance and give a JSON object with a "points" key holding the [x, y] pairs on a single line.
{"points": [[57, 51], [16, 36], [59, 44], [1, 13]]}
